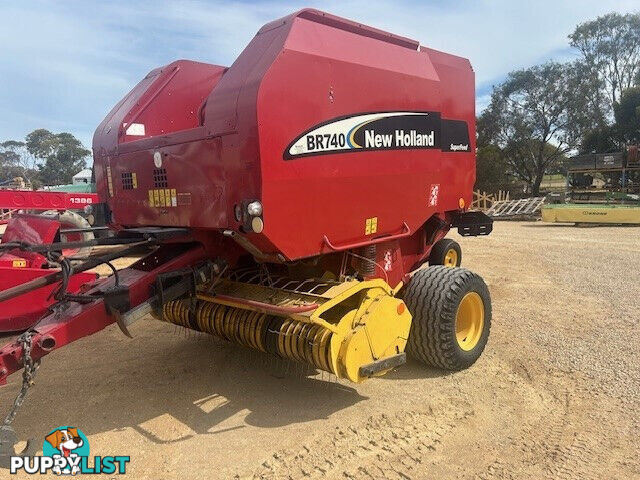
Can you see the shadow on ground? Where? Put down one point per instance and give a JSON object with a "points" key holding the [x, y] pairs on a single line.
{"points": [[199, 381], [413, 370]]}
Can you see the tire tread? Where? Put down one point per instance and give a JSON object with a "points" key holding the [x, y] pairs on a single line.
{"points": [[432, 297]]}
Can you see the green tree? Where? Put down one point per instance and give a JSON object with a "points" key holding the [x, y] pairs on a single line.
{"points": [[624, 131], [9, 162], [15, 161], [492, 169], [590, 105], [627, 115], [610, 48], [531, 118], [61, 155], [600, 140], [41, 143]]}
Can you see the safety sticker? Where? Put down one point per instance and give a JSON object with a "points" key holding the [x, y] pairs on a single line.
{"points": [[433, 195], [184, 199], [136, 130], [371, 225], [163, 197], [109, 181], [388, 261]]}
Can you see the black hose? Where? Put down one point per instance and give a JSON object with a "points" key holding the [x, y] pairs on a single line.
{"points": [[82, 267]]}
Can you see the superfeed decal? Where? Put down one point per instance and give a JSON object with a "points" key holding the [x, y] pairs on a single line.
{"points": [[374, 131]]}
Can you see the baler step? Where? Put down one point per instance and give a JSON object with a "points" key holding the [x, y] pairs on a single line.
{"points": [[473, 224], [383, 364]]}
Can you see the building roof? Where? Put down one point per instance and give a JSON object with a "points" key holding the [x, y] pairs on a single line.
{"points": [[86, 173]]}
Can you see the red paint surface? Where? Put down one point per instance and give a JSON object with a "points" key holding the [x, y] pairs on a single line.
{"points": [[31, 229], [43, 200], [297, 72], [18, 313], [221, 135]]}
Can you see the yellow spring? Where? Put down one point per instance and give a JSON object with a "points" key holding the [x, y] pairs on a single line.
{"points": [[286, 337], [176, 312]]}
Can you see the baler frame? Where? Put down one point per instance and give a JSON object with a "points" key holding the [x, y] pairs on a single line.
{"points": [[221, 190]]}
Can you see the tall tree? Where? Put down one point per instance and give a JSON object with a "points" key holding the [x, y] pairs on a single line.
{"points": [[41, 143], [627, 115], [530, 118], [61, 155], [492, 169], [590, 104], [624, 131], [9, 161], [16, 161], [600, 140], [610, 48]]}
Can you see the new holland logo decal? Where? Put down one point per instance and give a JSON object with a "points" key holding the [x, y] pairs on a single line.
{"points": [[368, 132]]}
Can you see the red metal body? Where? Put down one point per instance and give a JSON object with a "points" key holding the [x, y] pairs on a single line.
{"points": [[32, 229], [18, 314], [348, 136], [43, 200], [79, 320], [221, 136], [18, 267]]}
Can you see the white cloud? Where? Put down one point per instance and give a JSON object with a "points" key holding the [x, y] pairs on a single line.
{"points": [[66, 63]]}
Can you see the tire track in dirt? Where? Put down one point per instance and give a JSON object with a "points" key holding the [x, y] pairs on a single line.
{"points": [[390, 446], [554, 446]]}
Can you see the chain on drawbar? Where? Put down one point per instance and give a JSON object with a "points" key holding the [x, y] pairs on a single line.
{"points": [[28, 373], [8, 437]]}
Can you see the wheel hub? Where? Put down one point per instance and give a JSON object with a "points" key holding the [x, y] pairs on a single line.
{"points": [[451, 258], [469, 321]]}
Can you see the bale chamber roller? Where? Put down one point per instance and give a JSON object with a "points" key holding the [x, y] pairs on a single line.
{"points": [[291, 202]]}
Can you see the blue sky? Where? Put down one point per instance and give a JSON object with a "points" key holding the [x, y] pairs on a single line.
{"points": [[64, 64]]}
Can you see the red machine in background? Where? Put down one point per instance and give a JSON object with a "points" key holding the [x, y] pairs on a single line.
{"points": [[287, 203], [45, 200], [18, 266]]}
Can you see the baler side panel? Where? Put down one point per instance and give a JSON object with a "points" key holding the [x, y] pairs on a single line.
{"points": [[190, 191], [172, 103], [203, 167], [168, 103], [299, 72], [327, 73], [458, 102], [105, 138]]}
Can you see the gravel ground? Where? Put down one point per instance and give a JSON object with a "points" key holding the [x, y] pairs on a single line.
{"points": [[556, 394]]}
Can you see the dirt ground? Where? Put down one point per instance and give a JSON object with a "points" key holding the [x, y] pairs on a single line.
{"points": [[555, 395]]}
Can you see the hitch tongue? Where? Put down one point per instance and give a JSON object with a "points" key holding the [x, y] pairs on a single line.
{"points": [[8, 440]]}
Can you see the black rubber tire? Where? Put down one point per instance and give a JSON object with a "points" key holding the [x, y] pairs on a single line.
{"points": [[440, 249], [433, 296], [70, 219]]}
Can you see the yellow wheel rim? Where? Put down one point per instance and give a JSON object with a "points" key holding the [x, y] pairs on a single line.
{"points": [[469, 321], [451, 258]]}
